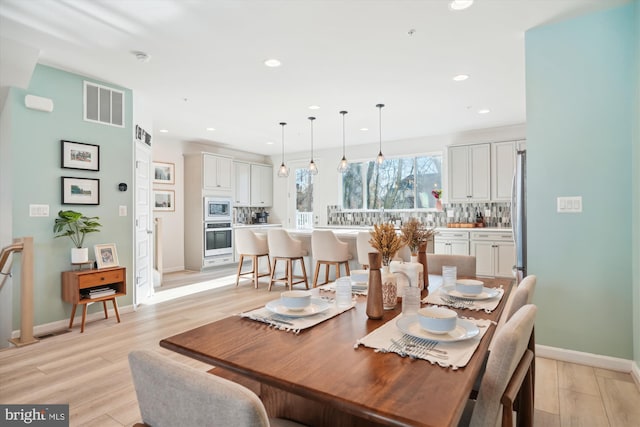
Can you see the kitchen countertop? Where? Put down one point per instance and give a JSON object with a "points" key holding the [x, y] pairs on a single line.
{"points": [[346, 230], [256, 225], [365, 228]]}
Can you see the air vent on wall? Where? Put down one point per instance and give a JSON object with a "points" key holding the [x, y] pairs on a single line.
{"points": [[103, 105]]}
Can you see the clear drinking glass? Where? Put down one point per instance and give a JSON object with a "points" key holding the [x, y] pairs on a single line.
{"points": [[410, 300], [449, 275], [343, 292]]}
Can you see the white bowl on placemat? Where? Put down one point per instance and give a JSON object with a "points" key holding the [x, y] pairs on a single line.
{"points": [[469, 287], [296, 300], [437, 320], [359, 276]]}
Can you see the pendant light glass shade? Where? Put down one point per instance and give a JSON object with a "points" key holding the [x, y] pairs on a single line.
{"points": [[380, 157], [313, 169], [283, 171], [343, 165]]}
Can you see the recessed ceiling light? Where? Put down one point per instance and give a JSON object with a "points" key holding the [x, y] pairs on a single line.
{"points": [[211, 129], [484, 111], [141, 56], [269, 142], [460, 77], [272, 63], [314, 107], [460, 4], [163, 131], [364, 129]]}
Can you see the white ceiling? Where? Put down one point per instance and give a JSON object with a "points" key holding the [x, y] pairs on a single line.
{"points": [[206, 67]]}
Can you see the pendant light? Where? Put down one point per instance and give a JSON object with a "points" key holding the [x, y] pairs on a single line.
{"points": [[342, 167], [380, 157], [283, 171], [313, 169]]}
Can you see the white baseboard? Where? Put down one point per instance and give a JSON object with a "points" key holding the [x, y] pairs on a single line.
{"points": [[635, 374], [173, 269], [48, 328], [589, 359]]}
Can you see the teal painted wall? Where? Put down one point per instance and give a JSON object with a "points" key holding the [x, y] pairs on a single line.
{"points": [[36, 153], [580, 77]]}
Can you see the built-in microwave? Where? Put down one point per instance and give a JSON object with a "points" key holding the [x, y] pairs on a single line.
{"points": [[217, 209]]}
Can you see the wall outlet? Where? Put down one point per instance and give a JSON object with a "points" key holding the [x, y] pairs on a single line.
{"points": [[39, 210], [122, 210], [487, 213], [429, 217], [450, 213]]}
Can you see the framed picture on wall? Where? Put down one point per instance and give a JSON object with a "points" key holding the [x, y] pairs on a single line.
{"points": [[106, 255], [80, 191], [78, 155], [163, 173], [164, 200]]}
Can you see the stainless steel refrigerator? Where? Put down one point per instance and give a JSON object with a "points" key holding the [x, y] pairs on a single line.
{"points": [[519, 214]]}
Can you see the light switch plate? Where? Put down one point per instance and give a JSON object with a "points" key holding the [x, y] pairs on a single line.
{"points": [[487, 213], [39, 210], [122, 210], [450, 213], [571, 204]]}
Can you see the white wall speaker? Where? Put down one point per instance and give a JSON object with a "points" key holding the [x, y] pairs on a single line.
{"points": [[38, 103]]}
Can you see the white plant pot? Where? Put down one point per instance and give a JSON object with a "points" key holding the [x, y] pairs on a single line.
{"points": [[79, 255]]}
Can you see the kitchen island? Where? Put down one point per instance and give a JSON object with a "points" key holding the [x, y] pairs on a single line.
{"points": [[492, 247]]}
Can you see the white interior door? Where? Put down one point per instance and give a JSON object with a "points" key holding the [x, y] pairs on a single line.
{"points": [[143, 225]]}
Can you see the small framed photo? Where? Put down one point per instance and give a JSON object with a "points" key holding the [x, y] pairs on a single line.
{"points": [[78, 155], [164, 200], [163, 173], [106, 255], [80, 191]]}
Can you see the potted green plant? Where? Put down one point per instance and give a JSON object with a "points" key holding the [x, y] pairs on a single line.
{"points": [[76, 226]]}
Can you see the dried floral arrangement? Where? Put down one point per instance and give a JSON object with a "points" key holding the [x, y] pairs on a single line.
{"points": [[385, 240], [415, 233]]}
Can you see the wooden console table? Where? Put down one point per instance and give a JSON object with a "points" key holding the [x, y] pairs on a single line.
{"points": [[77, 284]]}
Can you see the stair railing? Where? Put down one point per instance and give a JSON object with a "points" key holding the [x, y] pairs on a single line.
{"points": [[23, 245]]}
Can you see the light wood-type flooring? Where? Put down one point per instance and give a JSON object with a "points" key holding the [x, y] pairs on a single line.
{"points": [[90, 372]]}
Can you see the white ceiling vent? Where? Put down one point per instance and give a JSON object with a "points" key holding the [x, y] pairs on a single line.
{"points": [[103, 105]]}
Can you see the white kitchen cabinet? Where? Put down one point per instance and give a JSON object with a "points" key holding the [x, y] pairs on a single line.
{"points": [[242, 184], [469, 173], [261, 185], [503, 161], [451, 242], [495, 253], [216, 172]]}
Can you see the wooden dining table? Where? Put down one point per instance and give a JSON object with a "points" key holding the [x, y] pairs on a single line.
{"points": [[320, 377]]}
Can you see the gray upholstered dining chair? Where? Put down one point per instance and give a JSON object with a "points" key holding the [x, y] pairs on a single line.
{"points": [[173, 394], [249, 244], [329, 251], [508, 375], [519, 297], [363, 248], [522, 296], [465, 264]]}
